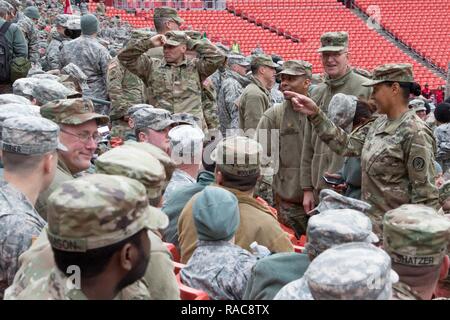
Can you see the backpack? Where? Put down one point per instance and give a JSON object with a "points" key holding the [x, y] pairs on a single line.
{"points": [[5, 56]]}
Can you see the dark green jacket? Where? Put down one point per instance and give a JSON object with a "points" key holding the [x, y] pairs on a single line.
{"points": [[16, 41], [178, 199], [272, 273]]}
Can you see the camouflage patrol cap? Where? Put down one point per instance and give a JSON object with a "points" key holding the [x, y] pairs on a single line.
{"points": [[135, 107], [14, 3], [164, 159], [175, 38], [444, 192], [237, 59], [11, 110], [395, 72], [24, 86], [351, 271], [46, 91], [338, 226], [167, 12], [6, 6], [187, 118], [13, 98], [195, 35], [98, 210], [73, 23], [32, 12], [263, 60], [238, 155], [417, 105], [72, 111], [137, 34], [415, 235], [329, 199], [135, 164], [341, 110], [333, 41], [30, 135], [297, 68], [45, 76], [153, 118]]}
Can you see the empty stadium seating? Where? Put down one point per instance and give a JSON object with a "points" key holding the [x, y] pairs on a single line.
{"points": [[424, 27]]}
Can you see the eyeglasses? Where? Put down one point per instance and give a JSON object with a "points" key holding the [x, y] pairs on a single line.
{"points": [[85, 136]]}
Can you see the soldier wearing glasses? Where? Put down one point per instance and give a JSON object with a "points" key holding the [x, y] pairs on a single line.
{"points": [[78, 124]]}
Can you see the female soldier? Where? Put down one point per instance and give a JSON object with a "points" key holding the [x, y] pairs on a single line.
{"points": [[396, 150]]}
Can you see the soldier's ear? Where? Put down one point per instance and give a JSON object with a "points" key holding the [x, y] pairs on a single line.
{"points": [[126, 257], [444, 268]]}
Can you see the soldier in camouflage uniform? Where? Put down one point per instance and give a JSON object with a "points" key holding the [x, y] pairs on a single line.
{"points": [[28, 29], [416, 238], [78, 123], [92, 58], [397, 150], [118, 214], [174, 80], [29, 147], [234, 82], [351, 271], [218, 266], [44, 91], [255, 98], [442, 135], [57, 43], [295, 76]]}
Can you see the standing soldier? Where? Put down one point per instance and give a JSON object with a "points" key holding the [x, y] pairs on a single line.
{"points": [[295, 76], [29, 147], [416, 238], [175, 81], [125, 89], [230, 90], [317, 158], [255, 98], [92, 58], [59, 37]]}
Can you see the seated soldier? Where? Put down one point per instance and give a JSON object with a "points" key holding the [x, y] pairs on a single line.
{"points": [[325, 230]]}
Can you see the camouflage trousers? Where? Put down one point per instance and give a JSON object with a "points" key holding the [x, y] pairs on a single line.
{"points": [[292, 215], [264, 190], [120, 129]]}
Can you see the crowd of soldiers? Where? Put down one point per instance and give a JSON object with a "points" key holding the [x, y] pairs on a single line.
{"points": [[119, 141]]}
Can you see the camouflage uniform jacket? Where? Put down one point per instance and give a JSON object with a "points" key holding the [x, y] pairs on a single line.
{"points": [[124, 88], [179, 178], [19, 222], [256, 224], [176, 88], [53, 50], [29, 31], [253, 102], [54, 287], [293, 291], [37, 263], [62, 174], [230, 90], [276, 96], [92, 58], [397, 160], [291, 124], [317, 158], [219, 268], [401, 291]]}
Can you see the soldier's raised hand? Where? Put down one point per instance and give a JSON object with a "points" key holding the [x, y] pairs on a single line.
{"points": [[158, 41], [301, 103]]}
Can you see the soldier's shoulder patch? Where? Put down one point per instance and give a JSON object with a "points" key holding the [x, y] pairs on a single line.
{"points": [[418, 163]]}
